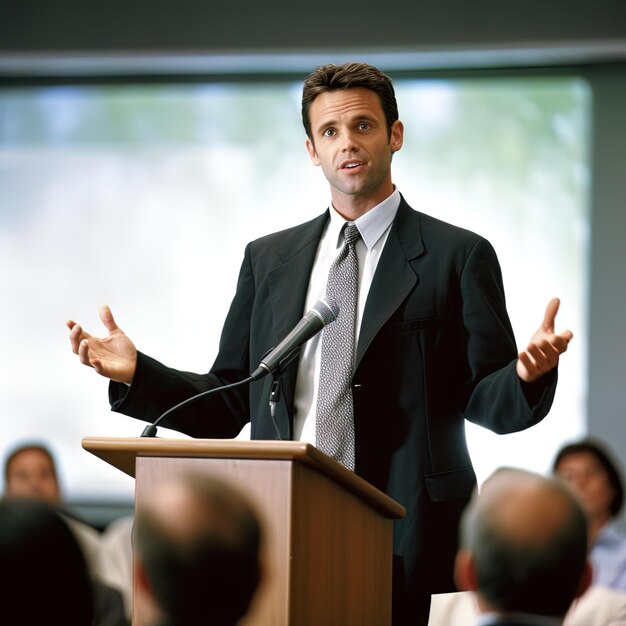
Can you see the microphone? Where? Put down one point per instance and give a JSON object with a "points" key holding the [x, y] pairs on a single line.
{"points": [[323, 312]]}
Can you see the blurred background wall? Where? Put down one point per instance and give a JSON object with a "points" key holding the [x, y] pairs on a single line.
{"points": [[158, 42]]}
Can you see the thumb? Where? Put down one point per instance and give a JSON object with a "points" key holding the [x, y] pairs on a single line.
{"points": [[550, 315], [107, 318]]}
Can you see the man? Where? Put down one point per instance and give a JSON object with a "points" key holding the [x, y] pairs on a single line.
{"points": [[30, 474], [431, 342], [596, 478], [523, 550], [197, 543]]}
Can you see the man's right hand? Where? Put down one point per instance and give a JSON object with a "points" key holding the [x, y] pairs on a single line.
{"points": [[113, 357]]}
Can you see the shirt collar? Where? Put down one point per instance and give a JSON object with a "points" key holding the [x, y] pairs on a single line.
{"points": [[487, 619], [609, 535], [372, 224]]}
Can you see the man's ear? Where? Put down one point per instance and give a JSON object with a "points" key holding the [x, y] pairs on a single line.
{"points": [[312, 153], [465, 571], [396, 138]]}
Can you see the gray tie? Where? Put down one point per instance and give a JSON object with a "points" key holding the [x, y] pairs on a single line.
{"points": [[334, 427]]}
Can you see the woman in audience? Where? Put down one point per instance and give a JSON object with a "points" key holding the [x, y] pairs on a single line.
{"points": [[588, 466]]}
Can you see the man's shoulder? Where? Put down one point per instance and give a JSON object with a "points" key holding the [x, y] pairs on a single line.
{"points": [[430, 225], [434, 234]]}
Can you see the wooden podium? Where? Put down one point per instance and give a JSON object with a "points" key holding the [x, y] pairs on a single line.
{"points": [[328, 533]]}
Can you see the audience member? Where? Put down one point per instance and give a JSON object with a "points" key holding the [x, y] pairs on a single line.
{"points": [[596, 477], [598, 606], [44, 576], [523, 550], [30, 473], [197, 545], [116, 558]]}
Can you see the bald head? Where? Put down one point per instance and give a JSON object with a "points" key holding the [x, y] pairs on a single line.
{"points": [[194, 506], [198, 540], [525, 538], [525, 508]]}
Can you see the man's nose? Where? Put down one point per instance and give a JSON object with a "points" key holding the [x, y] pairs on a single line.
{"points": [[350, 143]]}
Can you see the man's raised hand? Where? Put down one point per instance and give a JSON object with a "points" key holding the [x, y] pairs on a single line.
{"points": [[545, 347], [113, 357]]}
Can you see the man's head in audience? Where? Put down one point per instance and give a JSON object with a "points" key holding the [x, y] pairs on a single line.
{"points": [[43, 574], [524, 546], [197, 543], [30, 472]]}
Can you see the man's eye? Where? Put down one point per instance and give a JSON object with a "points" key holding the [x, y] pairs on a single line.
{"points": [[329, 132], [364, 126]]}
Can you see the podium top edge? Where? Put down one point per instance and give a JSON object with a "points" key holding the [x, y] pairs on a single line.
{"points": [[122, 451]]}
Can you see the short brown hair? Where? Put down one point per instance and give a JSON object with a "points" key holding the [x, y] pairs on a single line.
{"points": [[349, 75], [27, 447]]}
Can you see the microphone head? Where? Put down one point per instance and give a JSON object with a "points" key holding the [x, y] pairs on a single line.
{"points": [[328, 310]]}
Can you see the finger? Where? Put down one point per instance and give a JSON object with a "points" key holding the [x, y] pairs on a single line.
{"points": [[77, 334], [560, 341], [546, 352], [75, 337], [554, 344], [107, 318], [526, 368], [538, 352], [539, 362], [96, 363], [550, 315], [77, 330], [83, 352]]}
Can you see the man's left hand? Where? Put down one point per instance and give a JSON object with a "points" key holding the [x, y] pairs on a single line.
{"points": [[542, 353]]}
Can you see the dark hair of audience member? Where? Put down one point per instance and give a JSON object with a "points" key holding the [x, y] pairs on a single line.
{"points": [[40, 447], [601, 453], [44, 576]]}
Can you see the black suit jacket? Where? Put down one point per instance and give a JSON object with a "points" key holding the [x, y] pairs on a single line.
{"points": [[435, 347]]}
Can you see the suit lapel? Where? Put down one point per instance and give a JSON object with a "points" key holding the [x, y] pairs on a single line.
{"points": [[289, 284], [394, 277]]}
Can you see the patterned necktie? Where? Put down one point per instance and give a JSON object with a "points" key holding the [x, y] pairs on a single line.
{"points": [[334, 426]]}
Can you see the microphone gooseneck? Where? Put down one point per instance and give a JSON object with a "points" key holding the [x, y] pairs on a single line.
{"points": [[322, 313], [151, 429]]}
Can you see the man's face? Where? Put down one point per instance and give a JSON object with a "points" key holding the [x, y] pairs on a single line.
{"points": [[351, 144], [31, 475]]}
